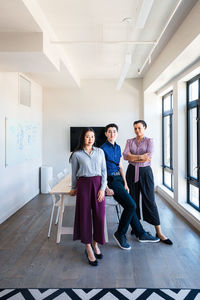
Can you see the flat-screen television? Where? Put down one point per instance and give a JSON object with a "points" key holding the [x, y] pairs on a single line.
{"points": [[75, 134]]}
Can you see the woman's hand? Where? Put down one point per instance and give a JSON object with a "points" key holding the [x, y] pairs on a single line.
{"points": [[100, 195], [109, 192], [145, 157], [72, 193]]}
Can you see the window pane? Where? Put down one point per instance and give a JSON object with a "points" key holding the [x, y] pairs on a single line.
{"points": [[167, 178], [167, 141], [172, 182], [194, 195], [193, 142], [193, 91], [167, 103]]}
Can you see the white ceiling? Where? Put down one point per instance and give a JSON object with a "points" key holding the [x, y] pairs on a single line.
{"points": [[90, 32], [14, 17], [94, 20]]}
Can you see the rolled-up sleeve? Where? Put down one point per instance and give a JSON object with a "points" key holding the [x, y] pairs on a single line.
{"points": [[103, 171], [150, 147], [74, 164], [127, 149]]}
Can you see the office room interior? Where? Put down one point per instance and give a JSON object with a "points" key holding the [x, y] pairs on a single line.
{"points": [[73, 63]]}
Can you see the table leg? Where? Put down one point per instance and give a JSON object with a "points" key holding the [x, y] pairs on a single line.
{"points": [[60, 219], [106, 230]]}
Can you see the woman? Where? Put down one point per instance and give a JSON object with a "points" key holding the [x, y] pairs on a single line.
{"points": [[89, 180], [139, 176]]}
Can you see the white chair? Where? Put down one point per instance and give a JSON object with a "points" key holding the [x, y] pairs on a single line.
{"points": [[56, 200], [65, 171], [60, 176], [68, 201], [110, 201]]}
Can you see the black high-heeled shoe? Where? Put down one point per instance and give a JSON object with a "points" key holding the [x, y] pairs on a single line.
{"points": [[166, 241], [98, 256], [92, 263]]}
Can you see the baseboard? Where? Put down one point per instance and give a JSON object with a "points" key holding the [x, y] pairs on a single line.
{"points": [[195, 221], [14, 209]]}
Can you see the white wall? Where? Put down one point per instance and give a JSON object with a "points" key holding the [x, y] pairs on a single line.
{"points": [[178, 62], [152, 111], [97, 103], [19, 183]]}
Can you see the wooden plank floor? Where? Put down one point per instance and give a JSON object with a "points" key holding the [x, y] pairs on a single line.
{"points": [[28, 259]]}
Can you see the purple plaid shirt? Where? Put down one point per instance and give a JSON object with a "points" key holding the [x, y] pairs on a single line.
{"points": [[136, 148]]}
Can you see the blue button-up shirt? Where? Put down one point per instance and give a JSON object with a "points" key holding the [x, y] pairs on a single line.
{"points": [[112, 155]]}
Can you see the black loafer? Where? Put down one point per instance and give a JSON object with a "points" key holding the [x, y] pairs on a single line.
{"points": [[166, 241], [92, 263]]}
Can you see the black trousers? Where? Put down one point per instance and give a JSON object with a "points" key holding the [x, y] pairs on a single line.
{"points": [[145, 185], [129, 214]]}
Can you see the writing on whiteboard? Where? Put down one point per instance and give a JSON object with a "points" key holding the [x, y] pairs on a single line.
{"points": [[23, 141]]}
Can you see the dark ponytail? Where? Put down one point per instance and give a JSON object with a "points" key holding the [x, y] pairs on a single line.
{"points": [[81, 143], [142, 122]]}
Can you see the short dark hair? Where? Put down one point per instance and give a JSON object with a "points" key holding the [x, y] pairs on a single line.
{"points": [[142, 122], [111, 125]]}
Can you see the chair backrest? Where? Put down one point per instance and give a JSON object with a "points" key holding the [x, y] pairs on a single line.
{"points": [[52, 182], [60, 175], [65, 171], [111, 201]]}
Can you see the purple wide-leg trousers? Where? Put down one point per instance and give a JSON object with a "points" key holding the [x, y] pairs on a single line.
{"points": [[89, 214]]}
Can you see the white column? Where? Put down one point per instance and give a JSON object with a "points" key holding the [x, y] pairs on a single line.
{"points": [[179, 141]]}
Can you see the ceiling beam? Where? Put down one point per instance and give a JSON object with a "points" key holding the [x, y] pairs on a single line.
{"points": [[144, 13], [104, 42], [148, 58], [21, 41], [124, 72], [39, 17]]}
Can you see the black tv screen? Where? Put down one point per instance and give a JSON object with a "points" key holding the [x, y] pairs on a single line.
{"points": [[75, 133]]}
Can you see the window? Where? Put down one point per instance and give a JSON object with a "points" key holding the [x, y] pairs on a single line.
{"points": [[193, 142], [167, 140]]}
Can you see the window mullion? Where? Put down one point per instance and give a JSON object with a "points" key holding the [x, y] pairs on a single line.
{"points": [[193, 183], [167, 134]]}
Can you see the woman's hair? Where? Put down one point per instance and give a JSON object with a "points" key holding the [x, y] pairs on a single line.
{"points": [[142, 122], [81, 142]]}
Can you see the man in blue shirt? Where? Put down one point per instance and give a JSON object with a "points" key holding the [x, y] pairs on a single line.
{"points": [[117, 183]]}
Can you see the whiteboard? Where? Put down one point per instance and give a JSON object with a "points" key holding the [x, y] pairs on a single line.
{"points": [[23, 141]]}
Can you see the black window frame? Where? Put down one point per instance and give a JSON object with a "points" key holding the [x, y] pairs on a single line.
{"points": [[191, 105], [168, 168]]}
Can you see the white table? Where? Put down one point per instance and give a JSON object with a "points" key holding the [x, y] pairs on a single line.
{"points": [[63, 188]]}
